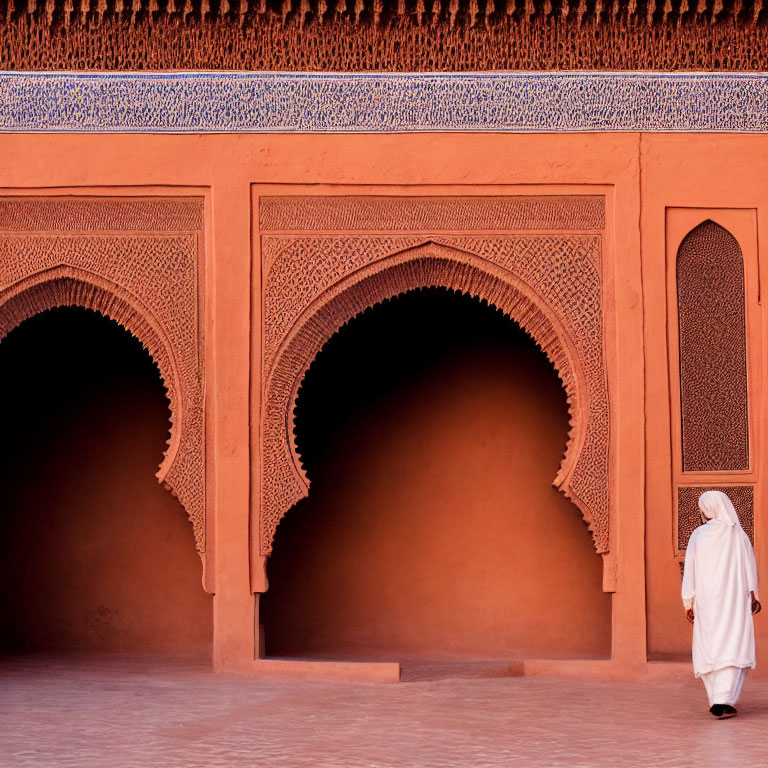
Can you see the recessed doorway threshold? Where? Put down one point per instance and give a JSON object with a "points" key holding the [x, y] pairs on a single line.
{"points": [[422, 670], [313, 669], [407, 671]]}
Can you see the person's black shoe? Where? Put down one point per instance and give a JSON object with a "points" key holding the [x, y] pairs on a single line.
{"points": [[728, 711], [716, 710]]}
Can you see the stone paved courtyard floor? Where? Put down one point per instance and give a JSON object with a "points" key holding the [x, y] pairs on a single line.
{"points": [[136, 713]]}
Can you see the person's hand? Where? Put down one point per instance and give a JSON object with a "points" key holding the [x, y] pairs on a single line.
{"points": [[756, 607], [689, 615]]}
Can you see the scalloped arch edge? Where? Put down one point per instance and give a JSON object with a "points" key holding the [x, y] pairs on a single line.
{"points": [[428, 264]]}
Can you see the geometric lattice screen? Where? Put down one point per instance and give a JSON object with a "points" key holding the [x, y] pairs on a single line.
{"points": [[713, 351]]}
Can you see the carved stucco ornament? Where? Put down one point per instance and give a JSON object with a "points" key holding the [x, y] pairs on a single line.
{"points": [[712, 322], [550, 284], [58, 252]]}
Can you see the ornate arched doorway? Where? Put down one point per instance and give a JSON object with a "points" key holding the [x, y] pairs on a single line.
{"points": [[550, 284], [97, 557], [431, 427], [136, 261], [568, 328]]}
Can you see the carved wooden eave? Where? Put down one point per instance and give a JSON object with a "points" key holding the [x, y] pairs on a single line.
{"points": [[384, 35]]}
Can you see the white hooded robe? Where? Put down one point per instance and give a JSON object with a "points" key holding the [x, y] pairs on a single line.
{"points": [[720, 572]]}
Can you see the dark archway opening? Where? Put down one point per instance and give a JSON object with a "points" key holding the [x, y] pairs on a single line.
{"points": [[431, 427], [96, 556]]}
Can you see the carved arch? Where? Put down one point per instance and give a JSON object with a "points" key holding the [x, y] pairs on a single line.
{"points": [[67, 286], [138, 260], [711, 312], [429, 265]]}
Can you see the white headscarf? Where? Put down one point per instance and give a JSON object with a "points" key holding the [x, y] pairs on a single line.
{"points": [[716, 505]]}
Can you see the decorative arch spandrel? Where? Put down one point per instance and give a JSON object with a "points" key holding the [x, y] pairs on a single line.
{"points": [[148, 282], [549, 284]]}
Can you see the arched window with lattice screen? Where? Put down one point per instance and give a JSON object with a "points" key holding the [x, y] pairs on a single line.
{"points": [[713, 351]]}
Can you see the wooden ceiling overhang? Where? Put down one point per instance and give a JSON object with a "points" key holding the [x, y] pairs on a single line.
{"points": [[384, 35]]}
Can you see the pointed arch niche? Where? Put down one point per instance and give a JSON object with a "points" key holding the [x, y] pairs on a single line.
{"points": [[712, 324], [713, 360], [550, 284], [136, 261]]}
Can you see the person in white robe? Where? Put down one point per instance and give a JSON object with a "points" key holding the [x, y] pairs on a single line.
{"points": [[720, 597]]}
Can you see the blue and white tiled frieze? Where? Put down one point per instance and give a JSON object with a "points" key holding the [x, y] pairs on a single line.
{"points": [[208, 102]]}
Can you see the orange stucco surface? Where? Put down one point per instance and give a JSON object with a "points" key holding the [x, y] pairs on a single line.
{"points": [[643, 178]]}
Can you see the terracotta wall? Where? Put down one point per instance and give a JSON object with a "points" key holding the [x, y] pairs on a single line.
{"points": [[643, 177], [687, 181], [431, 428], [231, 171], [96, 555]]}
